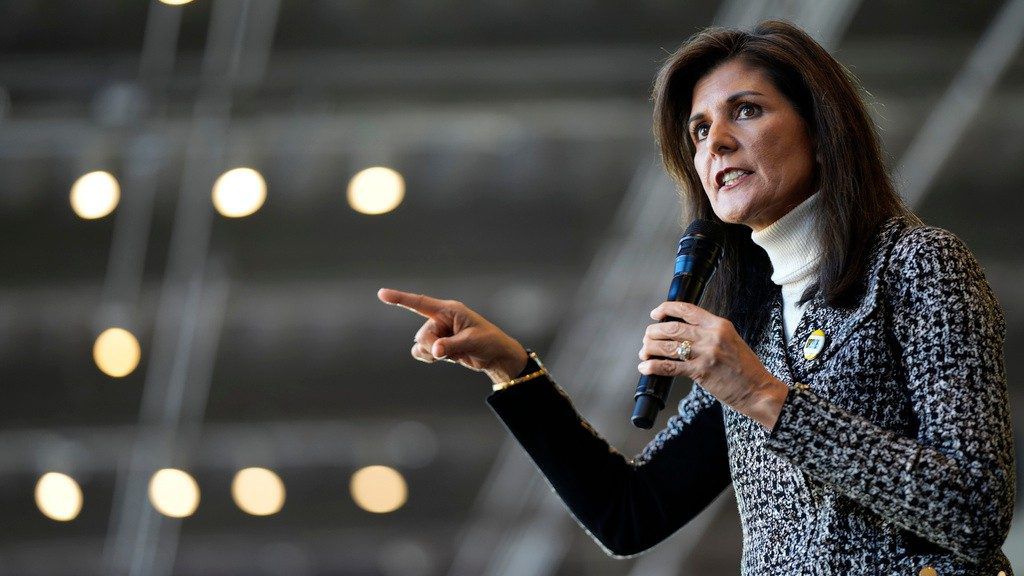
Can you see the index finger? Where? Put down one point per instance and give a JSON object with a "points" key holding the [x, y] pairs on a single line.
{"points": [[690, 313], [423, 305]]}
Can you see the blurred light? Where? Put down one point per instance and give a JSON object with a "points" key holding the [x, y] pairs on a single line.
{"points": [[5, 102], [410, 444], [120, 104], [285, 558], [258, 491], [376, 190], [378, 489], [406, 558], [116, 352], [175, 2], [239, 192], [58, 496], [174, 493], [94, 195], [526, 307]]}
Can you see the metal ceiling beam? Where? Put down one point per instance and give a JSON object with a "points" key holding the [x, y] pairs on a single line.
{"points": [[479, 69], [87, 451], [494, 126], [263, 547], [141, 541], [349, 74], [132, 221], [936, 140], [332, 308]]}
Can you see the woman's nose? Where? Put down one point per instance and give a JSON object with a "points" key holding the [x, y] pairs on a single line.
{"points": [[720, 138]]}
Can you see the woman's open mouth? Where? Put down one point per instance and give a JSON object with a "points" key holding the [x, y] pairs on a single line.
{"points": [[733, 178]]}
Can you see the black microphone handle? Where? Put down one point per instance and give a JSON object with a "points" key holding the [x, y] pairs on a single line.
{"points": [[647, 406], [700, 249], [652, 390]]}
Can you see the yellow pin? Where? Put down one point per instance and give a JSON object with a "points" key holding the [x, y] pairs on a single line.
{"points": [[814, 345]]}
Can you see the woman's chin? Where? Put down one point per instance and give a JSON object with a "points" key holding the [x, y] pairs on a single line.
{"points": [[731, 217]]}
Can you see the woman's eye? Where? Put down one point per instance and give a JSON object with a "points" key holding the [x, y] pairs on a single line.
{"points": [[700, 132], [746, 111]]}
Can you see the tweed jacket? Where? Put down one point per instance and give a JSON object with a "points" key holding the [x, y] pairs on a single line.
{"points": [[893, 451]]}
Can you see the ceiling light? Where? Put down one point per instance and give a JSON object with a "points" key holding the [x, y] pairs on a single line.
{"points": [[258, 491], [116, 352], [94, 195], [174, 493], [239, 192], [376, 190], [378, 489], [58, 496]]}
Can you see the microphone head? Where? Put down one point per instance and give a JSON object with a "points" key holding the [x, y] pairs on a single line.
{"points": [[702, 236], [709, 229]]}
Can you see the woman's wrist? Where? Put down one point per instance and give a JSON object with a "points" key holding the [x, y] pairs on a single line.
{"points": [[510, 367], [767, 403]]}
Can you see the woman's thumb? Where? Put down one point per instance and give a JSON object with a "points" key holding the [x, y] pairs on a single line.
{"points": [[450, 346]]}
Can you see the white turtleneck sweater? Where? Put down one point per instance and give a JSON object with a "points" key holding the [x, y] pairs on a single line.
{"points": [[792, 247]]}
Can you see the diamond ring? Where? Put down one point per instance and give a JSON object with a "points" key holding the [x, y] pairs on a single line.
{"points": [[684, 349]]}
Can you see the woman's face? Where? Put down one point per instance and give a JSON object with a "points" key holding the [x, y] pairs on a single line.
{"points": [[754, 154]]}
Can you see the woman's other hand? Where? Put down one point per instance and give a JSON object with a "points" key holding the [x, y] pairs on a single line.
{"points": [[455, 333], [719, 360]]}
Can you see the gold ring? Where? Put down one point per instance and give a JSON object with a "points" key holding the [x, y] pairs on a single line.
{"points": [[683, 350]]}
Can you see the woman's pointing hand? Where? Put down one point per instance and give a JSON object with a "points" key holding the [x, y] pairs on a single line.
{"points": [[455, 333]]}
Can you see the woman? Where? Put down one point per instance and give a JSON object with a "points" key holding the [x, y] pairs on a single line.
{"points": [[847, 364]]}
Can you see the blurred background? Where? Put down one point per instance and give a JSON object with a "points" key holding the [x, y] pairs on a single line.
{"points": [[199, 201]]}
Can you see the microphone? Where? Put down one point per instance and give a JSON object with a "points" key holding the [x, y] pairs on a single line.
{"points": [[700, 249]]}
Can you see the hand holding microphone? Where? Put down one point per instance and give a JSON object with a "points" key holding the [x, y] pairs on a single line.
{"points": [[692, 342], [700, 249]]}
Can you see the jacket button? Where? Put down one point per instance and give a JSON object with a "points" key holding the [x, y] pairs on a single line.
{"points": [[927, 571]]}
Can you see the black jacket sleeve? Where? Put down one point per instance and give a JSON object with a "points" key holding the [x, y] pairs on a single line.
{"points": [[626, 505]]}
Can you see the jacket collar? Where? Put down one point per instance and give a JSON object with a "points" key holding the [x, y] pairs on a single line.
{"points": [[839, 324]]}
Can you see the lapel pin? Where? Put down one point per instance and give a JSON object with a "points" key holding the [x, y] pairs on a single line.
{"points": [[815, 343]]}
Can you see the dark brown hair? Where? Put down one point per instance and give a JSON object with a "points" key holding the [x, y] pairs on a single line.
{"points": [[857, 195]]}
